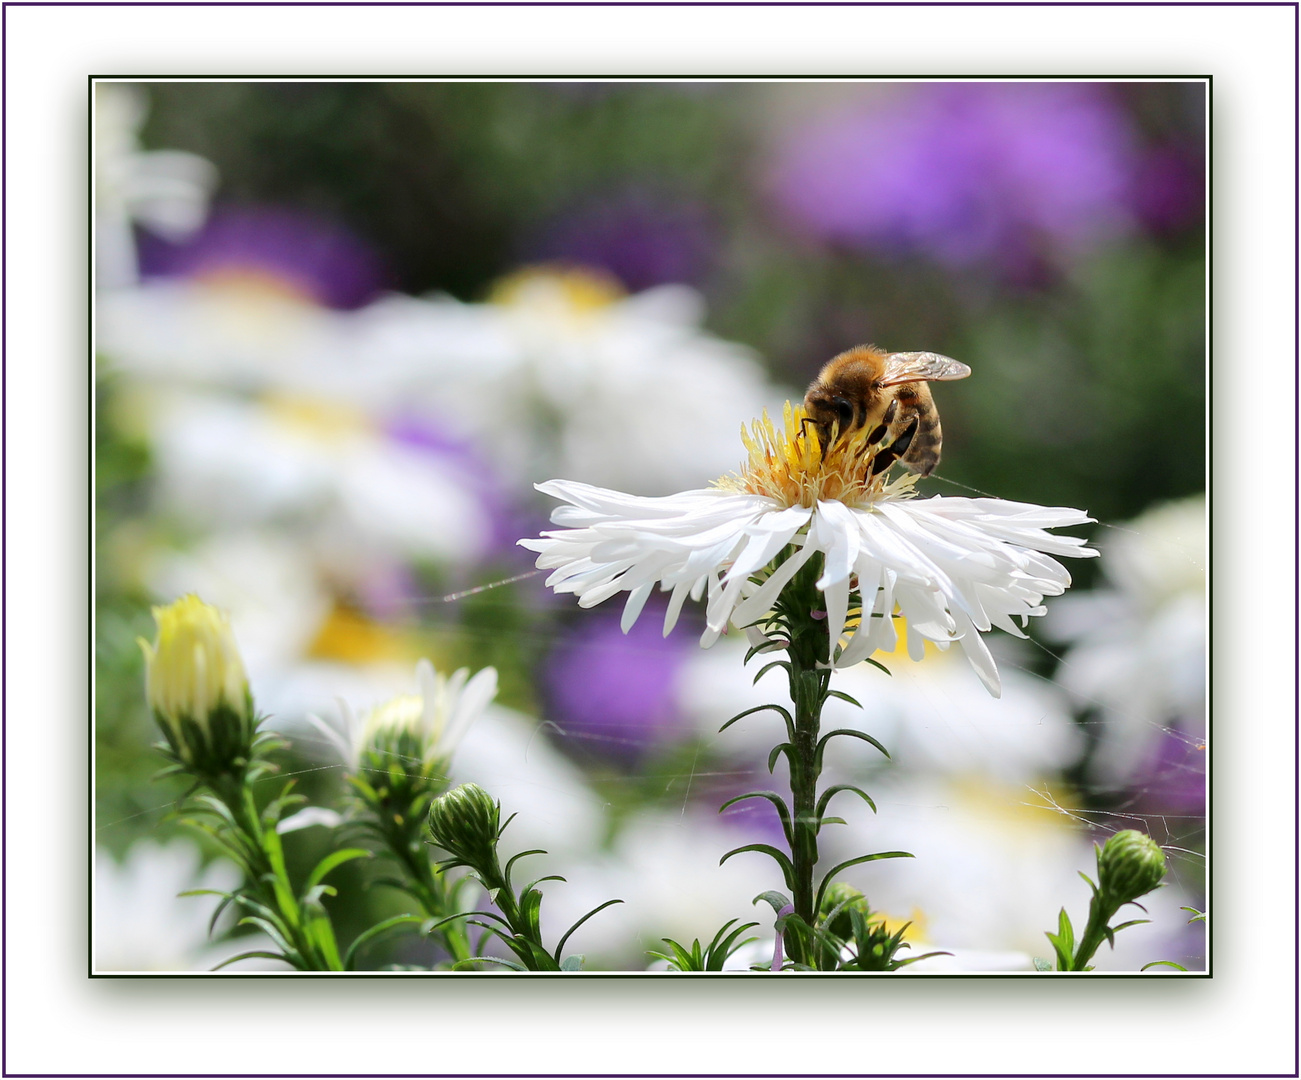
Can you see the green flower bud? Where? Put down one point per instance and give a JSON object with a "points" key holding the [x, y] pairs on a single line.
{"points": [[197, 689], [1129, 865], [466, 822]]}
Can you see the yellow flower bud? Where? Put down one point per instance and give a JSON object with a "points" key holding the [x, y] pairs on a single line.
{"points": [[194, 676]]}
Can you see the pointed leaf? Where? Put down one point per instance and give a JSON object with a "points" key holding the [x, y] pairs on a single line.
{"points": [[817, 904], [599, 907], [826, 796], [852, 733], [373, 932], [782, 860], [782, 811], [335, 858]]}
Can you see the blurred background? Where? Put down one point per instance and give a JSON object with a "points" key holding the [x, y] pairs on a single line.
{"points": [[343, 328]]}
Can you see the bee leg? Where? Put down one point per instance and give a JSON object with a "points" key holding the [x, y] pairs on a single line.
{"points": [[895, 450]]}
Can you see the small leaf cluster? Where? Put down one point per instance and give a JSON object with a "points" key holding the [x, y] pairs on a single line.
{"points": [[713, 958], [848, 936], [465, 823]]}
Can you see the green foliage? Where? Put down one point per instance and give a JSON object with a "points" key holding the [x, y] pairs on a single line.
{"points": [[1130, 865], [713, 957], [465, 822]]}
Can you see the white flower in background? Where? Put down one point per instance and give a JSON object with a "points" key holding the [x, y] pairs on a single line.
{"points": [[631, 385], [438, 715], [1138, 647], [166, 191], [225, 461], [952, 566], [932, 716], [141, 924], [993, 866], [561, 373]]}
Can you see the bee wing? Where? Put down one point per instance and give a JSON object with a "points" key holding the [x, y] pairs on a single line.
{"points": [[902, 367]]}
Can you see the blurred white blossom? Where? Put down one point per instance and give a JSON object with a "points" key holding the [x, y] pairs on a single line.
{"points": [[166, 191], [1138, 644], [934, 716], [140, 924], [993, 866]]}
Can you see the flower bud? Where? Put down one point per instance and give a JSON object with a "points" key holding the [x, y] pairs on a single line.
{"points": [[466, 822], [197, 689], [1129, 865]]}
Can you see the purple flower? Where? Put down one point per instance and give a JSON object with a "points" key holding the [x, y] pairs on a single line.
{"points": [[309, 255], [616, 692], [642, 239], [963, 172]]}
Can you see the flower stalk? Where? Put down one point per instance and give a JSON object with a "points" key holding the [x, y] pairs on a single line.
{"points": [[199, 694]]}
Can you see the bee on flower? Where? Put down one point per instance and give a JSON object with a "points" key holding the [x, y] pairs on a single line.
{"points": [[953, 568]]}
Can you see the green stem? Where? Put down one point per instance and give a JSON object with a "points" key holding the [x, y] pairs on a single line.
{"points": [[808, 688], [427, 887], [268, 878], [1094, 933]]}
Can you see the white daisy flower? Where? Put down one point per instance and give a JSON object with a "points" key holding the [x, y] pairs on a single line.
{"points": [[438, 716], [952, 567]]}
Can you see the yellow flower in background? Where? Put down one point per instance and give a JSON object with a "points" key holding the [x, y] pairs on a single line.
{"points": [[193, 672]]}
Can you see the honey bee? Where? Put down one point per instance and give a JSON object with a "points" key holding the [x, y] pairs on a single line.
{"points": [[887, 394]]}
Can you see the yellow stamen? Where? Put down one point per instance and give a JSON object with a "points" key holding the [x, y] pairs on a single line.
{"points": [[789, 465]]}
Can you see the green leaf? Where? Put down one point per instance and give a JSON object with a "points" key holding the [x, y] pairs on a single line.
{"points": [[782, 860], [1063, 942], [1164, 963], [335, 858], [852, 733], [769, 666], [464, 965], [572, 963], [1040, 964], [530, 911], [782, 811], [375, 931], [826, 797], [292, 955], [1127, 925], [599, 907], [249, 955], [786, 716], [514, 859], [817, 904], [844, 697], [789, 750]]}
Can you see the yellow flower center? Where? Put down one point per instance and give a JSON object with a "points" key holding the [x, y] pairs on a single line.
{"points": [[565, 290], [789, 465]]}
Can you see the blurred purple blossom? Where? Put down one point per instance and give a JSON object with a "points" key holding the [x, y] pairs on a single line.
{"points": [[507, 521], [311, 255], [1169, 192], [616, 692], [964, 172], [642, 239], [1173, 780]]}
